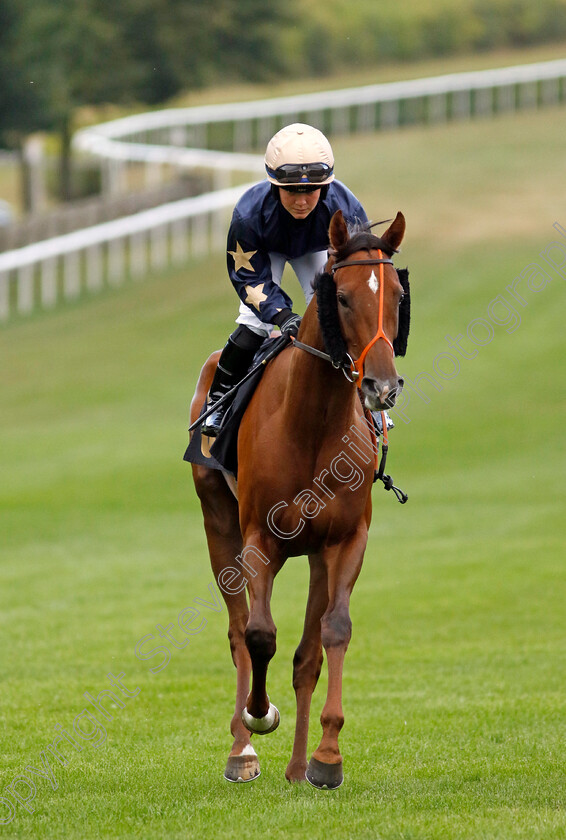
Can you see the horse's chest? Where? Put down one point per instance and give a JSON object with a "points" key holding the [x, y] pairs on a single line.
{"points": [[322, 505], [305, 493]]}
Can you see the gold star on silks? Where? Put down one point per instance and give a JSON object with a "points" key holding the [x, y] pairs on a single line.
{"points": [[255, 295], [242, 258]]}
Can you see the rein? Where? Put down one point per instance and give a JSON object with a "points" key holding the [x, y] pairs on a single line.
{"points": [[402, 497]]}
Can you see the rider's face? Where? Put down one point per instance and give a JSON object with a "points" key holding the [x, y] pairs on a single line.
{"points": [[299, 204]]}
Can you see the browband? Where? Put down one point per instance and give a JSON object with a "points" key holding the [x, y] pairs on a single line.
{"points": [[344, 263]]}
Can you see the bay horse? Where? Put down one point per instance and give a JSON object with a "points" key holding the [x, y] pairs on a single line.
{"points": [[299, 492]]}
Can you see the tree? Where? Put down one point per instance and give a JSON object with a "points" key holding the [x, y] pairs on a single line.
{"points": [[21, 108], [57, 55], [74, 55]]}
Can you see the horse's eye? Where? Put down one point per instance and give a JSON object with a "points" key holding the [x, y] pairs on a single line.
{"points": [[342, 301]]}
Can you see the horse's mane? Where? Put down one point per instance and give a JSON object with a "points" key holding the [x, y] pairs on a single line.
{"points": [[361, 239]]}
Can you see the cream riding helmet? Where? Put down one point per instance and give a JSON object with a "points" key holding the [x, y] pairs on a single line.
{"points": [[299, 155]]}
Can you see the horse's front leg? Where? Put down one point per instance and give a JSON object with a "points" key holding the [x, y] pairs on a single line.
{"points": [[343, 563], [307, 664], [259, 715]]}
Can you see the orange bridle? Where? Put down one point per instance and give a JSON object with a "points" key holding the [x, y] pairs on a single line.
{"points": [[357, 365]]}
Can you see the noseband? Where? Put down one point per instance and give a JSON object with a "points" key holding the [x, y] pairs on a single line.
{"points": [[357, 365]]}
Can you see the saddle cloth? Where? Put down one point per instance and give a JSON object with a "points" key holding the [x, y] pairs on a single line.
{"points": [[221, 453]]}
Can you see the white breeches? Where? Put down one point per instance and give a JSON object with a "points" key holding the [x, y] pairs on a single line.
{"points": [[306, 268]]}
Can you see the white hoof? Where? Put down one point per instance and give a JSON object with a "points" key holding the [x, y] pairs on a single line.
{"points": [[243, 767], [263, 725]]}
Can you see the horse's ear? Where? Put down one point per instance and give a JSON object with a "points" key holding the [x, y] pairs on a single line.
{"points": [[395, 232], [338, 231]]}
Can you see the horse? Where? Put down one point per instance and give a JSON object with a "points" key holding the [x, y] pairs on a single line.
{"points": [[306, 468]]}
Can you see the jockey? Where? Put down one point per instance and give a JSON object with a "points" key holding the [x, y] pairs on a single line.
{"points": [[284, 219]]}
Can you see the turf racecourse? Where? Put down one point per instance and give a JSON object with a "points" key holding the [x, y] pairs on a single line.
{"points": [[454, 680]]}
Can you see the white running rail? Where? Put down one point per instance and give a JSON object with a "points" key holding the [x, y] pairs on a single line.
{"points": [[106, 254], [39, 274], [371, 107]]}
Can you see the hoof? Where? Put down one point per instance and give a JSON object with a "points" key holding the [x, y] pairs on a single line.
{"points": [[242, 768], [324, 776], [263, 725], [295, 772]]}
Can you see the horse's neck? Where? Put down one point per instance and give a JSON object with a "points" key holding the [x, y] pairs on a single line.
{"points": [[317, 396]]}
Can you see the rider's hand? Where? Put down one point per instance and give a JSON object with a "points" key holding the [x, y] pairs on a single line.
{"points": [[288, 322]]}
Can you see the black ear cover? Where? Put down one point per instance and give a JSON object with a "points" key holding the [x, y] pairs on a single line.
{"points": [[400, 343], [328, 318]]}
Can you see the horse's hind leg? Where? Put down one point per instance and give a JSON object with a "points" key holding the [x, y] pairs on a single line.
{"points": [[220, 512], [306, 666]]}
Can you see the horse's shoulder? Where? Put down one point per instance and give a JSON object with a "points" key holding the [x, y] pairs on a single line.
{"points": [[276, 374]]}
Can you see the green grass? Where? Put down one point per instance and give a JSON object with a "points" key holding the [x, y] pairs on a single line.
{"points": [[454, 680]]}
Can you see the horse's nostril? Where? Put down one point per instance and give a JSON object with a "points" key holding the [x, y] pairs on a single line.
{"points": [[400, 382], [369, 386]]}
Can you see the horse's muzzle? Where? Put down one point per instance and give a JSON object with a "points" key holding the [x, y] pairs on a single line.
{"points": [[381, 395]]}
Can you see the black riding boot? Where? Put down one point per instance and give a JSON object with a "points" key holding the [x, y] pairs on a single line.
{"points": [[233, 364]]}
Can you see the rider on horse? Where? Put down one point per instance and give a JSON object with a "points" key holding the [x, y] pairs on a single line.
{"points": [[283, 219]]}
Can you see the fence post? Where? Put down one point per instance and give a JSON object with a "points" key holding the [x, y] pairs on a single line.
{"points": [[116, 261], [152, 174], [340, 121], [243, 135], [179, 241], [24, 279], [436, 108], [483, 102], [94, 272], [389, 114], [4, 295], [48, 282], [366, 117], [178, 135], [35, 160], [461, 104], [158, 247], [199, 237], [138, 255], [71, 275], [505, 98], [265, 131], [550, 91], [528, 95]]}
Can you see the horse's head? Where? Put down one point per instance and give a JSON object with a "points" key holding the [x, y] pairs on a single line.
{"points": [[362, 310]]}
